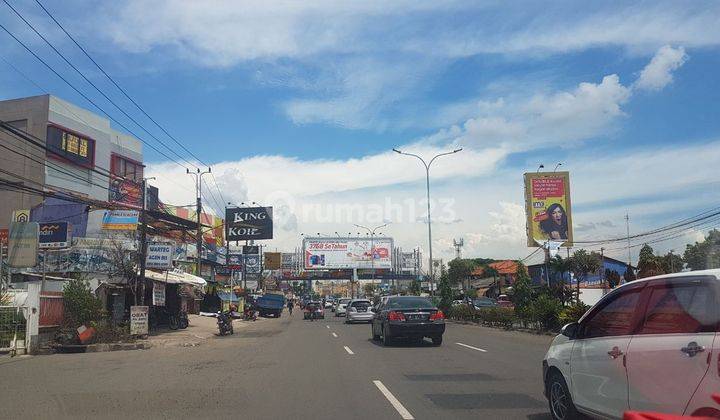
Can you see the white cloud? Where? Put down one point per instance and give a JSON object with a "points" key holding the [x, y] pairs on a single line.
{"points": [[658, 73]]}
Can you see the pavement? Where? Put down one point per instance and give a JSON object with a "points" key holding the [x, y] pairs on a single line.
{"points": [[288, 368]]}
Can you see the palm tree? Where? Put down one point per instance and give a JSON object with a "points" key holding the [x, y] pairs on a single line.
{"points": [[560, 266], [490, 271], [581, 264]]}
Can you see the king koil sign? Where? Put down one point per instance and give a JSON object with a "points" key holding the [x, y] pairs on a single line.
{"points": [[249, 223]]}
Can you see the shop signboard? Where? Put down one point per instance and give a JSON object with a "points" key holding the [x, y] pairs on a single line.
{"points": [[345, 253], [234, 261], [548, 208], [287, 260], [23, 245], [248, 223], [20, 216], [158, 296], [126, 192], [252, 264], [251, 249], [139, 320], [272, 260], [159, 256], [120, 220], [408, 262], [54, 235]]}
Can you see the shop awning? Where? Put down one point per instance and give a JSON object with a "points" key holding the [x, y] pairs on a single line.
{"points": [[175, 277]]}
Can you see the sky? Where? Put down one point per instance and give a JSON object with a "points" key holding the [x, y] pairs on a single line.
{"points": [[298, 105]]}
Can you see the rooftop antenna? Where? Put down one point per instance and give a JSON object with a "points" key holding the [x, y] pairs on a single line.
{"points": [[458, 244]]}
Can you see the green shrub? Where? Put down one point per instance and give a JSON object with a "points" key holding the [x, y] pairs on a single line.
{"points": [[461, 313], [497, 317], [573, 313], [81, 306], [544, 313]]}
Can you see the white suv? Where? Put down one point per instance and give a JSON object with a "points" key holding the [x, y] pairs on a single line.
{"points": [[341, 308], [649, 345]]}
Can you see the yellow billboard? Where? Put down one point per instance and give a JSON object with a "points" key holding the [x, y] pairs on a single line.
{"points": [[548, 208]]}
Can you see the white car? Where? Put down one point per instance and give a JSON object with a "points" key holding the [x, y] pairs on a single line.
{"points": [[359, 310], [342, 306], [649, 345]]}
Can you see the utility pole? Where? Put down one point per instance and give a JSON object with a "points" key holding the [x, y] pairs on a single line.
{"points": [[143, 242], [602, 265], [427, 184], [372, 247], [627, 225], [198, 192]]}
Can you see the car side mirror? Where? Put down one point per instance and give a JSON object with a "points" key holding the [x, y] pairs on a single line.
{"points": [[570, 330]]}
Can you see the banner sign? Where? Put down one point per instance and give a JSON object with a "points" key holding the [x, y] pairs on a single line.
{"points": [[20, 216], [287, 261], [251, 249], [408, 262], [139, 320], [125, 191], [249, 223], [548, 209], [158, 295], [252, 264], [234, 261], [120, 220], [54, 235], [159, 255], [23, 245], [342, 253], [272, 260]]}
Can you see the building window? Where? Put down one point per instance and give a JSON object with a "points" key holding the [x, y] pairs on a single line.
{"points": [[70, 146], [127, 168]]}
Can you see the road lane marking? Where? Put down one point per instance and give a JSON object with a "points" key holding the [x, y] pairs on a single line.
{"points": [[394, 401], [471, 347], [334, 335], [347, 349], [327, 326]]}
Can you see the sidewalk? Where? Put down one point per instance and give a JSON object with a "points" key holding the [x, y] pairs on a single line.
{"points": [[200, 330]]}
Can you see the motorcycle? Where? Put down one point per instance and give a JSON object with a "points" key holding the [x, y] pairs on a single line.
{"points": [[183, 321], [224, 321], [250, 314]]}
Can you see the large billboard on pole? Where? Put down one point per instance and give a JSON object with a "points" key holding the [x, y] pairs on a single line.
{"points": [[249, 223], [548, 208], [339, 253]]}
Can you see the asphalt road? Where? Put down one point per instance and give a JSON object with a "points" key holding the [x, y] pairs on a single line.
{"points": [[289, 368]]}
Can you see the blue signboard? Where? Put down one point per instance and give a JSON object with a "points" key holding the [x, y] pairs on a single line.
{"points": [[54, 235]]}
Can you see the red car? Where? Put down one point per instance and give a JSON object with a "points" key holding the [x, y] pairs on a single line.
{"points": [[313, 309]]}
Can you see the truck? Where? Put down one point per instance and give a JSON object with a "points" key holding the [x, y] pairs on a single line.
{"points": [[270, 304]]}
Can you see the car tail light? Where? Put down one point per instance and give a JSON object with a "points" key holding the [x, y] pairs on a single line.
{"points": [[437, 316], [396, 316]]}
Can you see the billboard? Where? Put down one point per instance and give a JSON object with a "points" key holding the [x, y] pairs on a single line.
{"points": [[120, 220], [159, 255], [234, 261], [246, 223], [54, 235], [272, 260], [340, 253], [548, 208], [287, 260], [251, 249], [408, 262], [252, 264], [125, 192]]}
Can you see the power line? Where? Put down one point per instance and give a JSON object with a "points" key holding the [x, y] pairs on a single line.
{"points": [[61, 55]]}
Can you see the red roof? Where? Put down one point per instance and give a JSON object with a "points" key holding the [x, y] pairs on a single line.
{"points": [[502, 267]]}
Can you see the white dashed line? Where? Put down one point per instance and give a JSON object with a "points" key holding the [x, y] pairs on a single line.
{"points": [[471, 347], [334, 335], [394, 401], [347, 349], [327, 326]]}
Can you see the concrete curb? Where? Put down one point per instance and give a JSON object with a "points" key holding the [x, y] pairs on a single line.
{"points": [[103, 347], [516, 329]]}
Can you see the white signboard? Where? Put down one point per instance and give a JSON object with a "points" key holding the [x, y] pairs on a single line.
{"points": [[252, 264], [139, 320], [159, 255], [158, 294], [23, 244], [339, 253], [408, 262]]}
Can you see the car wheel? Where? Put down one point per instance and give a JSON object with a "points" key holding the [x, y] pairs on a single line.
{"points": [[437, 340], [386, 337], [559, 398], [375, 337]]}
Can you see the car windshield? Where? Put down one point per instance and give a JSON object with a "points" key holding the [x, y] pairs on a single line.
{"points": [[409, 303]]}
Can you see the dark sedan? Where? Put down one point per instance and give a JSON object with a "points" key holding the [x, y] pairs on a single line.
{"points": [[411, 317]]}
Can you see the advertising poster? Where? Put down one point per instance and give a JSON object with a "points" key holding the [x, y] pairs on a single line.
{"points": [[245, 223], [342, 253], [272, 260], [125, 191], [252, 264], [23, 245], [139, 320], [158, 293], [234, 261], [408, 263], [548, 208], [287, 260], [159, 256], [120, 220], [54, 235]]}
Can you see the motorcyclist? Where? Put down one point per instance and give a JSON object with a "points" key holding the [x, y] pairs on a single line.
{"points": [[290, 306]]}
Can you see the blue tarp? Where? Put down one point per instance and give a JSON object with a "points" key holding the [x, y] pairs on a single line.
{"points": [[58, 210]]}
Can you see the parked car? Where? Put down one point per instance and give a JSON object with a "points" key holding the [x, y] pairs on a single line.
{"points": [[359, 310], [649, 345], [328, 303], [484, 302], [505, 302], [314, 307], [412, 317], [342, 306]]}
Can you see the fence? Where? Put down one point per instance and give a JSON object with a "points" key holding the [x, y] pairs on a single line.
{"points": [[12, 327], [51, 309]]}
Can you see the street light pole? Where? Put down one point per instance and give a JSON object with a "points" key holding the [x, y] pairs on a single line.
{"points": [[199, 240], [427, 184], [372, 246]]}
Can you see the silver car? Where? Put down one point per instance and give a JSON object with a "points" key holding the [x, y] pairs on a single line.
{"points": [[359, 310], [341, 307]]}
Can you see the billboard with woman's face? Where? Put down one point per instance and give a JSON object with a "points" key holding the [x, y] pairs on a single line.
{"points": [[548, 208]]}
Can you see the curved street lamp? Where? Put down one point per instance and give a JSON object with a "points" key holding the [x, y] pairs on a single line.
{"points": [[427, 178]]}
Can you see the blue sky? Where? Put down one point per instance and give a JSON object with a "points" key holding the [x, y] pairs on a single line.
{"points": [[298, 104]]}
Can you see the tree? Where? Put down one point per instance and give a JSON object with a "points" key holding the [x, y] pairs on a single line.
{"points": [[446, 293], [583, 263], [629, 275], [488, 270], [414, 288], [612, 278], [704, 255], [559, 267], [81, 305], [459, 271], [649, 264], [369, 289], [672, 263], [522, 288]]}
